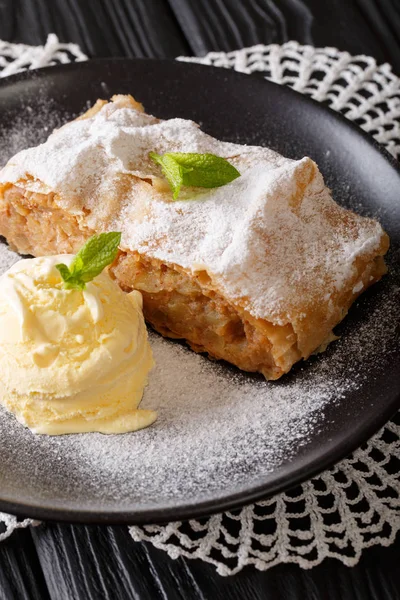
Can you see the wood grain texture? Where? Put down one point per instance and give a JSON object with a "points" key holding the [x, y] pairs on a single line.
{"points": [[101, 27], [21, 575], [168, 28], [229, 25], [75, 562], [358, 26], [80, 562]]}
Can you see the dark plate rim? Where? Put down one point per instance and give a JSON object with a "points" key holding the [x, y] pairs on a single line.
{"points": [[244, 495]]}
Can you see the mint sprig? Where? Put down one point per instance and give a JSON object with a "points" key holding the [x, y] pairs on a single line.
{"points": [[98, 252], [190, 168]]}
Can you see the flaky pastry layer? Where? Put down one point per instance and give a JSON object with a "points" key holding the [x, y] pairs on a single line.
{"points": [[175, 303], [180, 302]]}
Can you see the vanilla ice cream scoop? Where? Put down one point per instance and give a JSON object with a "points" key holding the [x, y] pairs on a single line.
{"points": [[71, 360]]}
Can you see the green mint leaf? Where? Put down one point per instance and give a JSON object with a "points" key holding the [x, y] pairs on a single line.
{"points": [[192, 169], [172, 171], [98, 252], [71, 282], [205, 170], [64, 271]]}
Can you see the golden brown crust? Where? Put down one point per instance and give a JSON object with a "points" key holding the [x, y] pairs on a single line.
{"points": [[38, 220], [176, 304], [33, 224], [126, 101]]}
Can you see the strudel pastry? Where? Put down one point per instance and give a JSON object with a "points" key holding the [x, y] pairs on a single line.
{"points": [[257, 272]]}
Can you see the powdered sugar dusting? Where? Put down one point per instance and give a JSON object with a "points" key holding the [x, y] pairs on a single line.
{"points": [[273, 239], [217, 430], [30, 126]]}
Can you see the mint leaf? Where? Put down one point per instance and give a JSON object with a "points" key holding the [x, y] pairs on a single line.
{"points": [[172, 171], [98, 252], [70, 282], [204, 170], [64, 272], [190, 168]]}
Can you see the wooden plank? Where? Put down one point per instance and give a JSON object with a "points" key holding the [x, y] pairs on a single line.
{"points": [[104, 562], [358, 26], [68, 562], [81, 562], [21, 575], [101, 28]]}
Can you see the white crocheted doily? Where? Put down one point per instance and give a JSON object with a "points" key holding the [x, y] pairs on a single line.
{"points": [[18, 57], [356, 504]]}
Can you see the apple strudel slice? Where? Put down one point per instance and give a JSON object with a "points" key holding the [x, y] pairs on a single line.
{"points": [[257, 272]]}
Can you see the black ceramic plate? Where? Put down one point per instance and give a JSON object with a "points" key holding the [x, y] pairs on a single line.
{"points": [[222, 438]]}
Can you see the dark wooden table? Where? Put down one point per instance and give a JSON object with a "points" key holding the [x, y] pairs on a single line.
{"points": [[67, 562]]}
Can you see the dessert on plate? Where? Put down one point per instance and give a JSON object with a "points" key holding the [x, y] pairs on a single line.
{"points": [[257, 272], [74, 355]]}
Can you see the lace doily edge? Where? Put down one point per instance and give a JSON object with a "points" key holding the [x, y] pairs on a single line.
{"points": [[260, 563]]}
